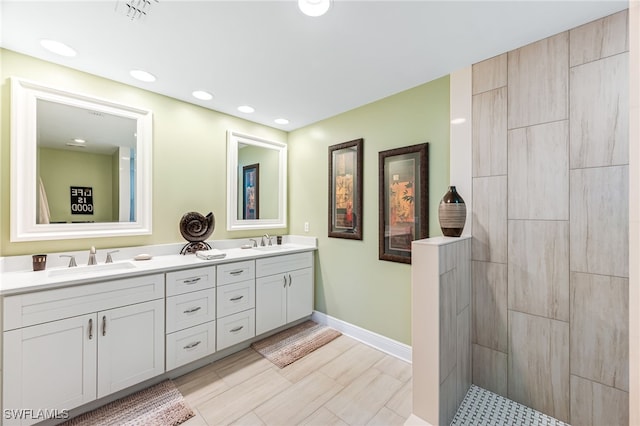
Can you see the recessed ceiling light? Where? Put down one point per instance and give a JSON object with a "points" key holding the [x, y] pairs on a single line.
{"points": [[78, 140], [246, 108], [201, 94], [142, 75], [314, 7], [58, 48], [281, 121], [458, 120]]}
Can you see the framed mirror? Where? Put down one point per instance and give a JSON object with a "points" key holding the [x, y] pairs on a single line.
{"points": [[256, 182], [80, 166]]}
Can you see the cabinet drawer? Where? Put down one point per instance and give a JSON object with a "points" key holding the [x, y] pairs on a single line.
{"points": [[236, 297], [189, 280], [38, 307], [279, 264], [236, 272], [235, 328], [190, 344], [189, 309]]}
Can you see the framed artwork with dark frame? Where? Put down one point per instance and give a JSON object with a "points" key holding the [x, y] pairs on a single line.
{"points": [[403, 200], [345, 190], [251, 191]]}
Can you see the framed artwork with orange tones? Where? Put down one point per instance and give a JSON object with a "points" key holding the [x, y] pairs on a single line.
{"points": [[403, 200], [345, 190]]}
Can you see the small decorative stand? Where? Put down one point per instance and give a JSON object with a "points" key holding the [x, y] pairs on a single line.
{"points": [[452, 213], [196, 228]]}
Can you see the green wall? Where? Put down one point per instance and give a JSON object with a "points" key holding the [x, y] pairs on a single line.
{"points": [[189, 155], [189, 174], [351, 283], [60, 169]]}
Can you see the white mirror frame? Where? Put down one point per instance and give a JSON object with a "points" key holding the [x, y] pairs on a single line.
{"points": [[234, 139], [24, 97]]}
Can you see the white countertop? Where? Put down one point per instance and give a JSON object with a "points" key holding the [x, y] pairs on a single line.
{"points": [[23, 281]]}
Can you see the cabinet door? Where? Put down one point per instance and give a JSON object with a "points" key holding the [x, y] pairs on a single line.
{"points": [[51, 365], [299, 294], [271, 302], [130, 345]]}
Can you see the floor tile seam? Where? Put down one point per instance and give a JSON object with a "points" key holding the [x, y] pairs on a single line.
{"points": [[394, 359], [333, 412], [186, 385], [316, 368], [328, 398], [240, 384], [242, 358], [259, 418], [396, 412], [378, 412], [183, 383], [367, 368], [199, 414], [401, 385], [360, 396], [394, 376], [306, 419], [207, 394], [268, 367]]}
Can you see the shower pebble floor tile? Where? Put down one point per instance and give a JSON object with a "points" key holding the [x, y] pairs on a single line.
{"points": [[482, 407]]}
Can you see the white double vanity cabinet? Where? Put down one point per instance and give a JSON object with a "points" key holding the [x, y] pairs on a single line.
{"points": [[72, 344]]}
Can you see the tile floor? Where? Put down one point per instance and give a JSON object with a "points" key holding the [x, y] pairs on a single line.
{"points": [[343, 383], [482, 407]]}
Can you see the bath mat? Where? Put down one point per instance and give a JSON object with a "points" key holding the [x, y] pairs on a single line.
{"points": [[159, 405], [293, 343]]}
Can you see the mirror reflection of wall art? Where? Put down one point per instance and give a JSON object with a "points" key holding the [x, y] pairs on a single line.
{"points": [[81, 199], [251, 191], [345, 190], [62, 139], [403, 200], [270, 185]]}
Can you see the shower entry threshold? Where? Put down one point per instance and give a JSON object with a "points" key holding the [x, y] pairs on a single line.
{"points": [[481, 407]]}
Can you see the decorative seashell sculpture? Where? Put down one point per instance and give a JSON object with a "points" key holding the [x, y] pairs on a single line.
{"points": [[196, 229]]}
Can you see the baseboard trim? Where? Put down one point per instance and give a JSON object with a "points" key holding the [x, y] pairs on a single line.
{"points": [[382, 343]]}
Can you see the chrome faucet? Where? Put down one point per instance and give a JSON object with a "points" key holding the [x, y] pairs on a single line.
{"points": [[255, 243], [92, 256], [268, 239], [72, 260], [109, 258]]}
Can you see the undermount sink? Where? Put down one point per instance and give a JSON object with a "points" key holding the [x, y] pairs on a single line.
{"points": [[91, 269], [272, 248]]}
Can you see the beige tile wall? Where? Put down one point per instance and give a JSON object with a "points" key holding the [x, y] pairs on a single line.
{"points": [[550, 224], [441, 305]]}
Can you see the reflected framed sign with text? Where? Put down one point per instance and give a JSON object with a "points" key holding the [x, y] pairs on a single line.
{"points": [[403, 200]]}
